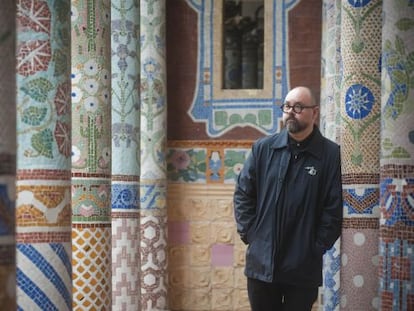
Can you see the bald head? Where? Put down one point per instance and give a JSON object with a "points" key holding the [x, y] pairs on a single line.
{"points": [[306, 92]]}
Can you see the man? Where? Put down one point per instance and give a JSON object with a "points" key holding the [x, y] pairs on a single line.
{"points": [[288, 208]]}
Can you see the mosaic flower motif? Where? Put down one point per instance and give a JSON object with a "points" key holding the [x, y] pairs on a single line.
{"points": [[358, 101], [237, 168], [186, 165], [105, 157], [74, 14], [105, 77], [91, 67], [180, 160], [91, 86], [76, 154], [76, 95], [123, 53], [103, 192], [91, 104], [75, 77], [358, 3], [151, 67], [105, 96], [234, 162]]}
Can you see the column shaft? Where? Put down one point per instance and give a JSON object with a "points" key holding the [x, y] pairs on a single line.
{"points": [[360, 139], [91, 159], [43, 155], [397, 158], [153, 165], [125, 37]]}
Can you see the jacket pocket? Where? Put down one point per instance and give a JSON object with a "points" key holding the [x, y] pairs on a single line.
{"points": [[258, 257]]}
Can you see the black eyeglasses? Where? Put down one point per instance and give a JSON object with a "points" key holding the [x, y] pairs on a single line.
{"points": [[297, 107]]}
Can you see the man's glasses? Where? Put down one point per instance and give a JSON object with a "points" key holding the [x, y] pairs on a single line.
{"points": [[297, 107]]}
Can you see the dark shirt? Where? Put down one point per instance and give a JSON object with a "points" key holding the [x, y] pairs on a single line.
{"points": [[297, 156]]}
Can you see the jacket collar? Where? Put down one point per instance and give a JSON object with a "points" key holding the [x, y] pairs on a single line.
{"points": [[314, 147]]}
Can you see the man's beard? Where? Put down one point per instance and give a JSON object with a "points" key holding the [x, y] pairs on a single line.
{"points": [[294, 126]]}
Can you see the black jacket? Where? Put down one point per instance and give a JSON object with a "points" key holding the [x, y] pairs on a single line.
{"points": [[312, 221]]}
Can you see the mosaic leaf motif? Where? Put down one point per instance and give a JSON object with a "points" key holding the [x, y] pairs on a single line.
{"points": [[61, 62], [62, 136], [34, 115], [396, 152], [405, 24], [38, 89], [62, 100], [234, 161], [358, 44], [34, 15], [398, 68], [33, 56], [42, 143]]}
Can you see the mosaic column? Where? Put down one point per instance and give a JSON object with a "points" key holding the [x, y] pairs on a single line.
{"points": [[7, 153], [153, 164], [330, 127], [43, 247], [125, 155], [91, 155], [396, 272], [360, 140]]}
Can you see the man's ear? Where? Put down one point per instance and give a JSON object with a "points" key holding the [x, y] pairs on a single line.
{"points": [[316, 111]]}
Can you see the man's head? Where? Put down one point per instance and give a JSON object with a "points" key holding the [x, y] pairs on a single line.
{"points": [[300, 112]]}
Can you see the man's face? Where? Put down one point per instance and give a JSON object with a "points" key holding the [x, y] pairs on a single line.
{"points": [[299, 122]]}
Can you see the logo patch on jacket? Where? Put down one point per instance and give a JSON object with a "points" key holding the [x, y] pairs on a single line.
{"points": [[311, 170]]}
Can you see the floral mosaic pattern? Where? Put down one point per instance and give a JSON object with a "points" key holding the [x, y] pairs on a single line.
{"points": [[358, 101], [43, 155], [397, 77], [153, 167], [153, 90], [125, 88], [91, 154], [44, 103], [234, 161], [186, 165], [201, 165], [91, 82]]}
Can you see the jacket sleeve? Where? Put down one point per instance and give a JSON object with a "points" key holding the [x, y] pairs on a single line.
{"points": [[330, 221], [245, 197]]}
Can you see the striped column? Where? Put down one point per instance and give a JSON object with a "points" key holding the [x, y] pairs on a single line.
{"points": [[7, 153], [396, 272], [43, 249], [153, 164], [360, 140], [91, 155], [330, 126], [125, 16]]}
